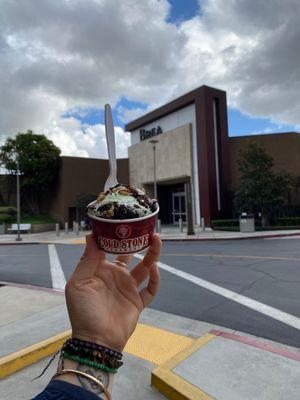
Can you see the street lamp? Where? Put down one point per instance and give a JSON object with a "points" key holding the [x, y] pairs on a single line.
{"points": [[18, 238], [153, 142]]}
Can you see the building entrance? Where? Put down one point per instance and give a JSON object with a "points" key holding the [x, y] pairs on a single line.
{"points": [[172, 203], [178, 206]]}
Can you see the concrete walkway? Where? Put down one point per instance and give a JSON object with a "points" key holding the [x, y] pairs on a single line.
{"points": [[167, 233], [183, 358]]}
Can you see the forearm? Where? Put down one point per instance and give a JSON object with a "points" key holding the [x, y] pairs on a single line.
{"points": [[104, 377]]}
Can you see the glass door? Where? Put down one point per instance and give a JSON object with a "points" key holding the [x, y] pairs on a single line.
{"points": [[178, 207]]}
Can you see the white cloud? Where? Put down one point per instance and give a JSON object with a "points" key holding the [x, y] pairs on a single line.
{"points": [[59, 56]]}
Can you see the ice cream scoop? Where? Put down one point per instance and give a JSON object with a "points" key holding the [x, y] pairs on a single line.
{"points": [[122, 202]]}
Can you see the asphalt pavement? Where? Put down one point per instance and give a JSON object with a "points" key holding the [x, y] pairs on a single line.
{"points": [[264, 271]]}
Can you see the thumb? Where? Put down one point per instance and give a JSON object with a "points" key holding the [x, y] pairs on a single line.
{"points": [[89, 260]]}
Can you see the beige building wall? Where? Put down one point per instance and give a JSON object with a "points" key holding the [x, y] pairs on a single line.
{"points": [[173, 157]]}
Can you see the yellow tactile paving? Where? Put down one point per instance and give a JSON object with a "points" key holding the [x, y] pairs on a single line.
{"points": [[156, 345]]}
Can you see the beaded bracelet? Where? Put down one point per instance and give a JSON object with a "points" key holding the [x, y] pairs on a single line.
{"points": [[88, 345], [93, 355], [88, 362]]}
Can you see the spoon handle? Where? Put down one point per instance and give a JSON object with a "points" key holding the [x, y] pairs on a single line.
{"points": [[110, 139]]}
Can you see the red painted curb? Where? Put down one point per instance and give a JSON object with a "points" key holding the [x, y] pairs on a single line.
{"points": [[19, 243], [256, 343]]}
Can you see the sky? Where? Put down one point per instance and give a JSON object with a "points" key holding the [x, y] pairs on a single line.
{"points": [[60, 62]]}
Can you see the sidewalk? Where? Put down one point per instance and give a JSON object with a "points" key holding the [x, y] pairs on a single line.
{"points": [[167, 233], [183, 358]]}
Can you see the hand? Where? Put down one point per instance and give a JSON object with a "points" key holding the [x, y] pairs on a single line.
{"points": [[103, 299]]}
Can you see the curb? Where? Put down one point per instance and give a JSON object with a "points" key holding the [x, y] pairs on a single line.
{"points": [[22, 358], [18, 244], [183, 239], [172, 385]]}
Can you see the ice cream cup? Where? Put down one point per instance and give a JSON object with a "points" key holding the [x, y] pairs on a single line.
{"points": [[124, 236]]}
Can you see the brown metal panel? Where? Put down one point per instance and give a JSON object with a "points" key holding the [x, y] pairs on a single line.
{"points": [[168, 108]]}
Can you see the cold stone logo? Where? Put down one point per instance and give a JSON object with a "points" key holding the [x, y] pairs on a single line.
{"points": [[124, 245], [123, 231], [148, 133]]}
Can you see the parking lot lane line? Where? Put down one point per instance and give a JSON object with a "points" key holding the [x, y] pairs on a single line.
{"points": [[231, 256], [57, 274], [262, 308]]}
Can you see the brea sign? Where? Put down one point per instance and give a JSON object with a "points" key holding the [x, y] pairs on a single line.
{"points": [[148, 133]]}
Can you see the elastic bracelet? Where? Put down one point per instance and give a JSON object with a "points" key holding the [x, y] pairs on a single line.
{"points": [[85, 375], [93, 355], [90, 363], [95, 346]]}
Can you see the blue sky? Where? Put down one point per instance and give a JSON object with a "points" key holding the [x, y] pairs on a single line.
{"points": [[182, 10]]}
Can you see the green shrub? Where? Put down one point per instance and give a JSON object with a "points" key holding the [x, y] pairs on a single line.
{"points": [[6, 218], [8, 210], [291, 221], [223, 223]]}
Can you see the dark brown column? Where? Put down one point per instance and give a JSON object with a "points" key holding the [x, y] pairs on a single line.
{"points": [[189, 208], [206, 152]]}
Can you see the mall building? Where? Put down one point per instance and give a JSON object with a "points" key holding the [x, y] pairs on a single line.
{"points": [[190, 139]]}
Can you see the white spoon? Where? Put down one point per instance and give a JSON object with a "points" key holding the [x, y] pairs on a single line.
{"points": [[110, 140]]}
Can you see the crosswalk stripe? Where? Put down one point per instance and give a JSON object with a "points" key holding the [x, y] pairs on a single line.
{"points": [[262, 308], [57, 274]]}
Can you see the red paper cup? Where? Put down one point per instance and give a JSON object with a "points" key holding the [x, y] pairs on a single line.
{"points": [[124, 236]]}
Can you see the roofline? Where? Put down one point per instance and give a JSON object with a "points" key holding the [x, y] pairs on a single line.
{"points": [[264, 134], [170, 107]]}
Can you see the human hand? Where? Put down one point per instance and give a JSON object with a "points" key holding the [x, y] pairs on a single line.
{"points": [[103, 298]]}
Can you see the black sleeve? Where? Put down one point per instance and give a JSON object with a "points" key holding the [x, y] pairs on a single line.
{"points": [[60, 390]]}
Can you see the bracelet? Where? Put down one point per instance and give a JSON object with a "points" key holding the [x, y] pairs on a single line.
{"points": [[85, 375], [88, 362], [92, 355], [91, 345]]}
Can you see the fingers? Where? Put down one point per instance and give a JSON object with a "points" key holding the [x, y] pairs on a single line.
{"points": [[141, 271], [153, 251], [148, 293]]}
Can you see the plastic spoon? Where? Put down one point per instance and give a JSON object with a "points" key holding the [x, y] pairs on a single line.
{"points": [[110, 139]]}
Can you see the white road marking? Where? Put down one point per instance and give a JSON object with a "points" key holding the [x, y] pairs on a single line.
{"points": [[57, 274], [262, 308]]}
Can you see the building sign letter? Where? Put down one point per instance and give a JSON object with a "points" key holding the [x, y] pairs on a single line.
{"points": [[148, 133]]}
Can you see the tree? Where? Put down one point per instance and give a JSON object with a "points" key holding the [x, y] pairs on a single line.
{"points": [[260, 190], [38, 162]]}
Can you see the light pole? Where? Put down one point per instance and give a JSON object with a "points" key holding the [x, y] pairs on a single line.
{"points": [[153, 142], [18, 238]]}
